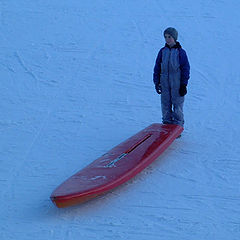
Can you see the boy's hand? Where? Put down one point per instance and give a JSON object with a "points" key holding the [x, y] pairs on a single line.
{"points": [[183, 90], [158, 88]]}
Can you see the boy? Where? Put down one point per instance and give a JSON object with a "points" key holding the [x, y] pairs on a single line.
{"points": [[171, 74]]}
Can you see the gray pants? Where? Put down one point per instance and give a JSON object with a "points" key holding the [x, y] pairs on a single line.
{"points": [[172, 102], [172, 105]]}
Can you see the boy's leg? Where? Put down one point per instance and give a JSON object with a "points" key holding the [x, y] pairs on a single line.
{"points": [[177, 100], [166, 105], [178, 116]]}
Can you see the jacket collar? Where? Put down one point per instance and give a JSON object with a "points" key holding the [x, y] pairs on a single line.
{"points": [[177, 45]]}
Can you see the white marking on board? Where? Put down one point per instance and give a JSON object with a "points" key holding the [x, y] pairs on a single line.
{"points": [[97, 177]]}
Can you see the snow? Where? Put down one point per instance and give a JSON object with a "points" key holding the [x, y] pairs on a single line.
{"points": [[76, 80]]}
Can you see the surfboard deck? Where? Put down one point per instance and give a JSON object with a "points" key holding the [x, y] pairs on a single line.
{"points": [[117, 166]]}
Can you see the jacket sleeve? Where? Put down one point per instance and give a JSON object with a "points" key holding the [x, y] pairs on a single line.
{"points": [[184, 67], [157, 68]]}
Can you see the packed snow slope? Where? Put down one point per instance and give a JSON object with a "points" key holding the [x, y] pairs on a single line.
{"points": [[76, 80]]}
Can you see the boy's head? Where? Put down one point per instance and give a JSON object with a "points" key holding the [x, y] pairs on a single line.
{"points": [[172, 32]]}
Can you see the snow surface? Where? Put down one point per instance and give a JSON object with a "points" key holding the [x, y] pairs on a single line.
{"points": [[76, 80]]}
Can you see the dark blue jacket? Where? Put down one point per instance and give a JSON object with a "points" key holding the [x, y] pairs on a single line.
{"points": [[183, 61]]}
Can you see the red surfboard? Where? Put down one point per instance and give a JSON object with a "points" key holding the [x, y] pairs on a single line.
{"points": [[116, 166]]}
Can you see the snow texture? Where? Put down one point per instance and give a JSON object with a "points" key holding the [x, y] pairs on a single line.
{"points": [[76, 80]]}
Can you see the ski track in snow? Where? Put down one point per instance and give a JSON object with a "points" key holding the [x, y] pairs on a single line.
{"points": [[77, 80]]}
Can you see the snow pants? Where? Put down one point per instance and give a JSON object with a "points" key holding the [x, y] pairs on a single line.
{"points": [[171, 101], [172, 106]]}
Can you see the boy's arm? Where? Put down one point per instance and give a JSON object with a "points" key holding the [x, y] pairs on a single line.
{"points": [[184, 67], [157, 68]]}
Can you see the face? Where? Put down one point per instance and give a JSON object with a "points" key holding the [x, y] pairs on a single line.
{"points": [[169, 40]]}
